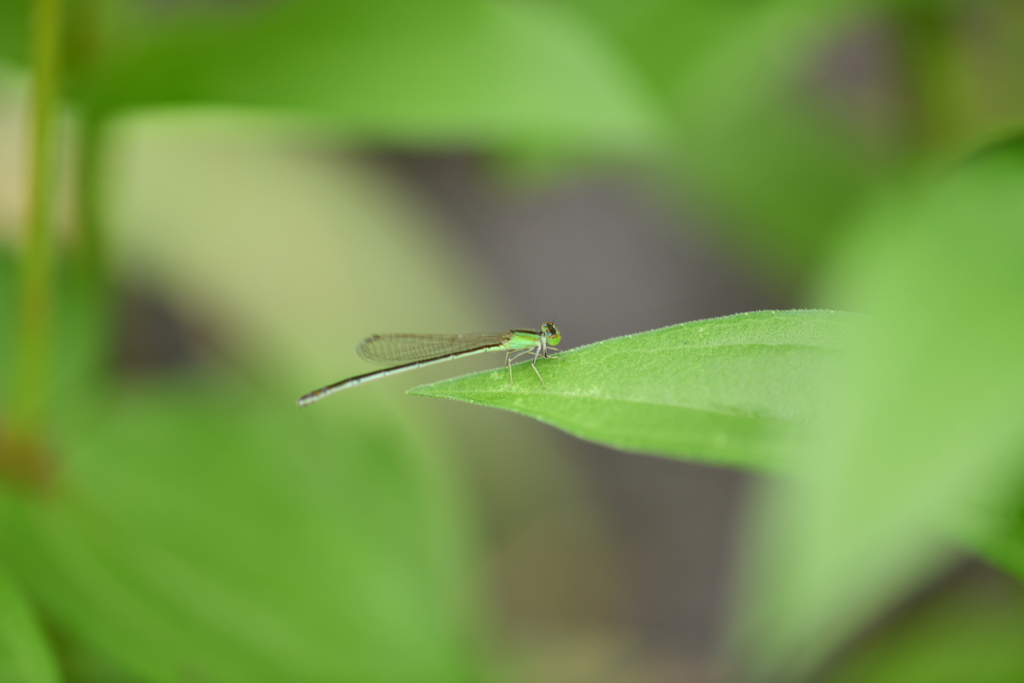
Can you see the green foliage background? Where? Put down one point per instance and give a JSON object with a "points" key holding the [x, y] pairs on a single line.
{"points": [[199, 528]]}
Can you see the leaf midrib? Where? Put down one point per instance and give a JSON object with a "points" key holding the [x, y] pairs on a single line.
{"points": [[579, 397]]}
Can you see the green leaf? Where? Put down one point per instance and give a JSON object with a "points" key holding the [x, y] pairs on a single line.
{"points": [[204, 533], [926, 430], [974, 629], [14, 27], [733, 390], [1000, 536], [727, 72], [25, 654], [453, 72]]}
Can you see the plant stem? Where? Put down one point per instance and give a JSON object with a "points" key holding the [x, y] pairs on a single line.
{"points": [[88, 172], [81, 47], [36, 312]]}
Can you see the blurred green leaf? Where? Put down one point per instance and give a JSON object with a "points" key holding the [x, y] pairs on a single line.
{"points": [[924, 431], [1000, 538], [731, 390], [25, 655], [776, 166], [456, 71], [201, 533], [14, 19], [969, 633], [730, 74], [315, 230]]}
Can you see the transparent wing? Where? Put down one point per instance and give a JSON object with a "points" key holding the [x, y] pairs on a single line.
{"points": [[397, 348]]}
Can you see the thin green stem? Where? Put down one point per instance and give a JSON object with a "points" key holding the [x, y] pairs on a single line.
{"points": [[81, 45], [37, 290], [90, 242]]}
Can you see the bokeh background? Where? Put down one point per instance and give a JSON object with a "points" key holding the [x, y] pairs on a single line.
{"points": [[246, 189]]}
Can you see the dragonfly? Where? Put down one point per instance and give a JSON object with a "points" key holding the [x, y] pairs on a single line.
{"points": [[412, 351]]}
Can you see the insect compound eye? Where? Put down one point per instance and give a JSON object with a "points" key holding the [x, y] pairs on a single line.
{"points": [[552, 333]]}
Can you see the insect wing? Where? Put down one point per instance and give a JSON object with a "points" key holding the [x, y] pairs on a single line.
{"points": [[399, 348]]}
